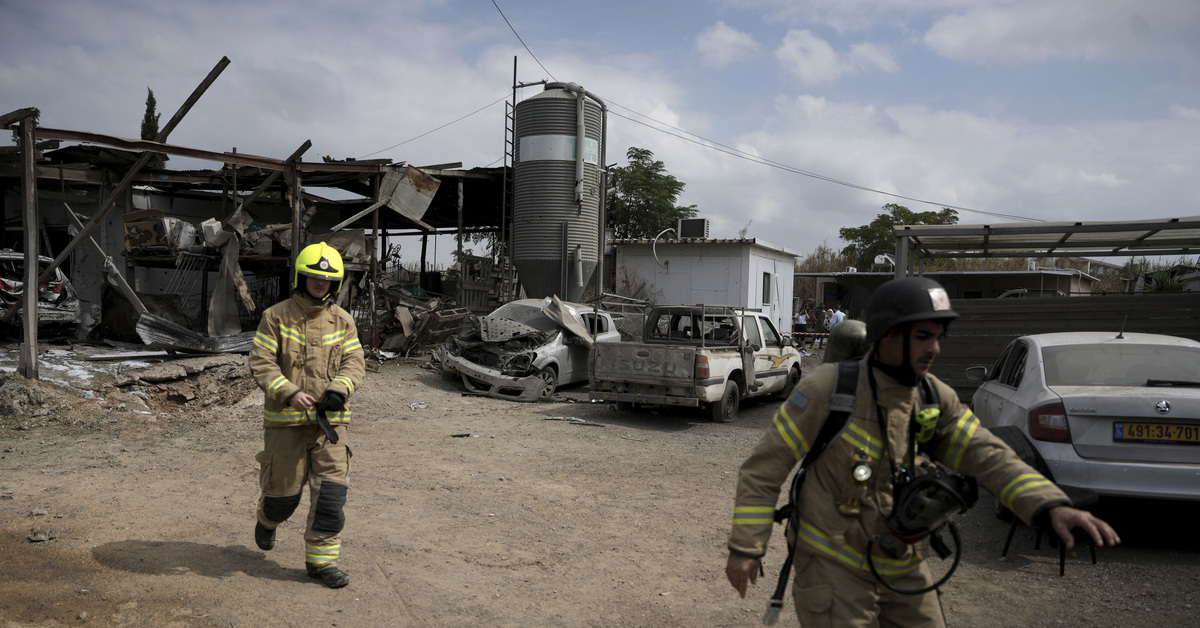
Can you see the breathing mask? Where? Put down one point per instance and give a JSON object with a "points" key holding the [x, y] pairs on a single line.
{"points": [[923, 504]]}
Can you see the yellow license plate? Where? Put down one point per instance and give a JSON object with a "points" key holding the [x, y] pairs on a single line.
{"points": [[1156, 433]]}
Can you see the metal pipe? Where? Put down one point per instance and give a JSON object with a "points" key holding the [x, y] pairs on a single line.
{"points": [[563, 275], [375, 341], [580, 143], [579, 91]]}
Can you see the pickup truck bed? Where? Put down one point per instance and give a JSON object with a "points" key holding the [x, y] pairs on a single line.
{"points": [[696, 356]]}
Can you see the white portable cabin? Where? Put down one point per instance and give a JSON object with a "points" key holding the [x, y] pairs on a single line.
{"points": [[744, 272]]}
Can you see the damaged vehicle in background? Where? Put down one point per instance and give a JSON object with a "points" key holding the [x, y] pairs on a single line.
{"points": [[58, 305], [526, 349]]}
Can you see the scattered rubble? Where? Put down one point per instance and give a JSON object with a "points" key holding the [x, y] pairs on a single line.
{"points": [[106, 389], [42, 535]]}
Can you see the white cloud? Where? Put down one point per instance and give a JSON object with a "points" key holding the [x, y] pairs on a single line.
{"points": [[721, 45], [1189, 113], [812, 60], [868, 55], [808, 57], [1087, 30], [1104, 179]]}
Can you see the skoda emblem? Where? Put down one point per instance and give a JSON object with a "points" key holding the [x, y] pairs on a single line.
{"points": [[1162, 407]]}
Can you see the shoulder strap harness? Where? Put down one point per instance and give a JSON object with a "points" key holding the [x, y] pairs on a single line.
{"points": [[841, 405]]}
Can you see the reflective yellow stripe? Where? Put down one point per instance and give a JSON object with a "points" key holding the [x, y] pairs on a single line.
{"points": [[276, 384], [1019, 485], [265, 342], [294, 334], [321, 554], [859, 437], [334, 338], [284, 416], [789, 433], [753, 515], [341, 416], [852, 558], [347, 381], [351, 346], [958, 441]]}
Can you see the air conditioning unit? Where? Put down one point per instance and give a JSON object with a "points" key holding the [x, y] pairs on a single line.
{"points": [[692, 228]]}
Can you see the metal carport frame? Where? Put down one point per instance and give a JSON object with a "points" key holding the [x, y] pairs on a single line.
{"points": [[1167, 236]]}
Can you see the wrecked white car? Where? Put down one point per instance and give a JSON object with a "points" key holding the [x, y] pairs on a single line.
{"points": [[58, 305], [526, 349]]}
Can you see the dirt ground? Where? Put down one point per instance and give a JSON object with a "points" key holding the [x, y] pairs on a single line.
{"points": [[138, 509]]}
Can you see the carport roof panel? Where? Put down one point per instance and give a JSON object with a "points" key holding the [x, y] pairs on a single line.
{"points": [[1168, 236]]}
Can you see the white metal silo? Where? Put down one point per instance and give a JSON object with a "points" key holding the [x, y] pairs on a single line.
{"points": [[557, 190]]}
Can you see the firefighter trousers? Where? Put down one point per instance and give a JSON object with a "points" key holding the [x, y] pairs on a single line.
{"points": [[829, 594], [292, 457]]}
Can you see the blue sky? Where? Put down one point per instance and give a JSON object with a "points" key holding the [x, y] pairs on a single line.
{"points": [[1052, 109]]}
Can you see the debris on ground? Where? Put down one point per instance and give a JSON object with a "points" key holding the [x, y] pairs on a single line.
{"points": [[91, 384], [43, 535]]}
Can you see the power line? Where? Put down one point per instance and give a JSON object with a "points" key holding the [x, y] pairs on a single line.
{"points": [[514, 31], [438, 128], [740, 154]]}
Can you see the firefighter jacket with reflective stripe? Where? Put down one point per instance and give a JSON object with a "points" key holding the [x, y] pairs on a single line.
{"points": [[309, 346], [838, 515]]}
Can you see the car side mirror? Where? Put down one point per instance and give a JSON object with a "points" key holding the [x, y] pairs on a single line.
{"points": [[977, 373], [572, 339]]}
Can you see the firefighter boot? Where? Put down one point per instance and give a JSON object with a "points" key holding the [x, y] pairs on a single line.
{"points": [[333, 577], [263, 537]]}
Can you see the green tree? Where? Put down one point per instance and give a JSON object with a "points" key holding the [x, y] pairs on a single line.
{"points": [[150, 129], [824, 259], [867, 241], [1164, 281], [643, 201]]}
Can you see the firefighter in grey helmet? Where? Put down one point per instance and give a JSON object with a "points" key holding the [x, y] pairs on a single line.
{"points": [[845, 572]]}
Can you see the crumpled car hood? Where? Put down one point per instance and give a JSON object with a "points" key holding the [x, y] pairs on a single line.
{"points": [[502, 329], [564, 315]]}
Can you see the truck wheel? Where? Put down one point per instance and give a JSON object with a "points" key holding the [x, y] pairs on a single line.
{"points": [[549, 383], [792, 380], [725, 410]]}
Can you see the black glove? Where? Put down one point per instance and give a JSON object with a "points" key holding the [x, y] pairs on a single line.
{"points": [[332, 401]]}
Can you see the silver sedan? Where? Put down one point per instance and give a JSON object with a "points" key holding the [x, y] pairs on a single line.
{"points": [[1118, 414]]}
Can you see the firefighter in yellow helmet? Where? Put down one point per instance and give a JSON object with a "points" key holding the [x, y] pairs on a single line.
{"points": [[308, 360]]}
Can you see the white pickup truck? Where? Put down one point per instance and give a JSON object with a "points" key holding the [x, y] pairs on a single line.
{"points": [[708, 356]]}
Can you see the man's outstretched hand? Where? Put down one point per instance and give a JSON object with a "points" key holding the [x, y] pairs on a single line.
{"points": [[1064, 518], [742, 571]]}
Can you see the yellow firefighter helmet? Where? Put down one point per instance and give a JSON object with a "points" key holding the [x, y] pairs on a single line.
{"points": [[323, 262]]}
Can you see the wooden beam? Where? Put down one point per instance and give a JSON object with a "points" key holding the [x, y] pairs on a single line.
{"points": [[98, 219], [297, 208], [18, 115], [262, 187], [374, 206], [27, 359], [241, 159], [69, 173]]}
